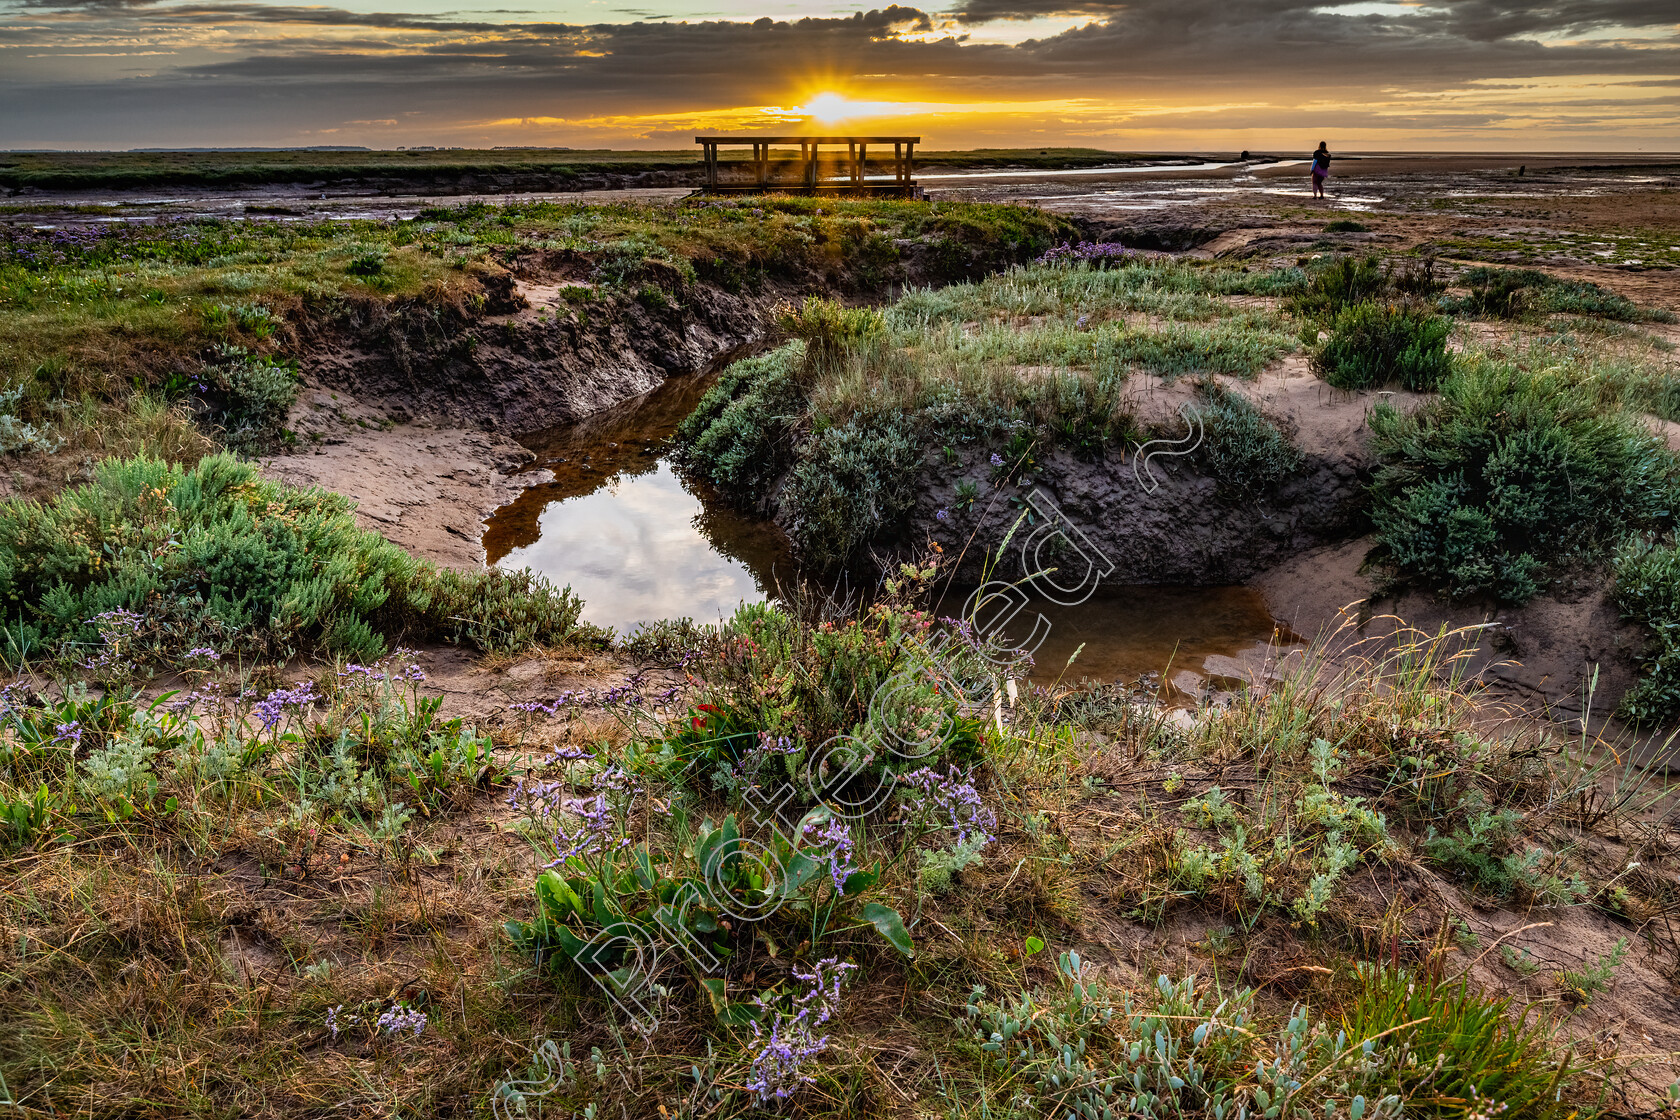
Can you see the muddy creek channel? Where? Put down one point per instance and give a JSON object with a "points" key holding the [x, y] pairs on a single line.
{"points": [[638, 541]]}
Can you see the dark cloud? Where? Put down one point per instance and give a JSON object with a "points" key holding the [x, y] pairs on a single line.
{"points": [[315, 67]]}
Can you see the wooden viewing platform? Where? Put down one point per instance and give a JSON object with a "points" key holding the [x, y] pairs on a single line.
{"points": [[849, 173]]}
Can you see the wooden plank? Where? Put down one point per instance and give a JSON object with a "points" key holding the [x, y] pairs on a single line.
{"points": [[803, 140]]}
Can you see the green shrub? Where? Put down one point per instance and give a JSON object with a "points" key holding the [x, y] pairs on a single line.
{"points": [[1511, 293], [1374, 344], [740, 436], [1647, 591], [247, 395], [854, 482], [1346, 225], [15, 433], [217, 555], [367, 262], [1479, 851], [1245, 451], [1341, 282], [832, 333], [1507, 473], [1180, 349]]}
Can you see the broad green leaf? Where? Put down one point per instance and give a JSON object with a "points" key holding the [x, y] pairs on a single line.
{"points": [[860, 880], [889, 925]]}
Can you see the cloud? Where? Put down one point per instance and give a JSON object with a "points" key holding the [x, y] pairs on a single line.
{"points": [[246, 71]]}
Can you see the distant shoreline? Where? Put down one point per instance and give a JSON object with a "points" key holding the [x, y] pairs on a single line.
{"points": [[455, 171]]}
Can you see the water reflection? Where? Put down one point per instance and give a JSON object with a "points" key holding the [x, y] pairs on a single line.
{"points": [[1129, 631], [634, 539]]}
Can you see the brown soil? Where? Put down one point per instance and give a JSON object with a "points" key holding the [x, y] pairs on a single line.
{"points": [[426, 485], [408, 421], [1542, 655]]}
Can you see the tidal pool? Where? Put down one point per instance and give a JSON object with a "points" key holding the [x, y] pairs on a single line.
{"points": [[640, 542]]}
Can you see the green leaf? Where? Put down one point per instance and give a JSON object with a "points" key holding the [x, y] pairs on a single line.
{"points": [[889, 925], [860, 880], [603, 914], [1034, 945], [645, 874], [800, 869]]}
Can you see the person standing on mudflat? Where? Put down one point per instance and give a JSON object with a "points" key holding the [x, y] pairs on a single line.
{"points": [[1320, 168]]}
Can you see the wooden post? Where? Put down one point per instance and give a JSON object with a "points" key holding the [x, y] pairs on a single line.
{"points": [[863, 163], [811, 168], [710, 152], [761, 153], [909, 164]]}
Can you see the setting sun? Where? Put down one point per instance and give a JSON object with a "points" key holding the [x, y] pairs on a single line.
{"points": [[832, 108]]}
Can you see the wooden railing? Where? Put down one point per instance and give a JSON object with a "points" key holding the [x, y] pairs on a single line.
{"points": [[853, 170]]}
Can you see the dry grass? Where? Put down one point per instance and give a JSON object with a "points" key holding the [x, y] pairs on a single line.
{"points": [[170, 965]]}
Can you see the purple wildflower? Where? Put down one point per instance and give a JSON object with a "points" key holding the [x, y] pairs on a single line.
{"points": [[332, 1019], [8, 703], [599, 831], [777, 1068], [401, 1018], [839, 838], [400, 666], [203, 651], [943, 514], [997, 460], [536, 795], [69, 733], [1088, 252], [776, 744], [270, 711], [119, 619], [954, 795]]}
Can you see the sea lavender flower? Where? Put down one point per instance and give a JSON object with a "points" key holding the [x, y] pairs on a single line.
{"points": [[119, 619], [597, 833], [69, 733], [1089, 252], [776, 744], [943, 514], [270, 711], [354, 670], [537, 795], [404, 665], [8, 703], [837, 836], [629, 693], [401, 1018], [778, 1067], [954, 796], [203, 651], [997, 460]]}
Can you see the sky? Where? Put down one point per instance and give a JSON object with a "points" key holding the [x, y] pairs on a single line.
{"points": [[1122, 75]]}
